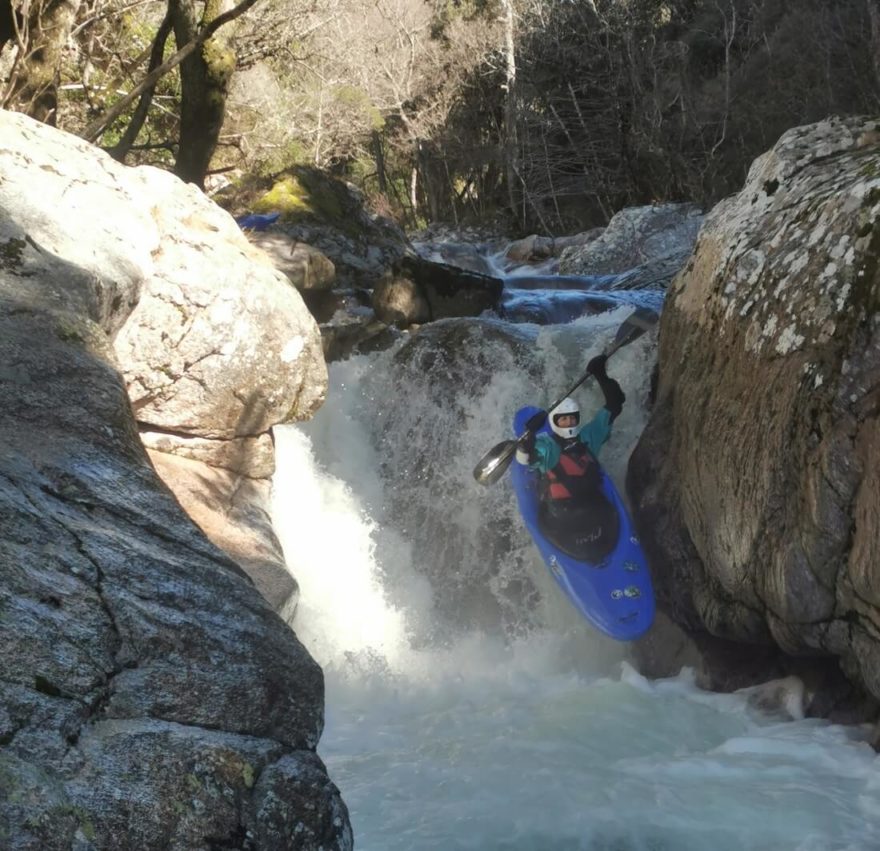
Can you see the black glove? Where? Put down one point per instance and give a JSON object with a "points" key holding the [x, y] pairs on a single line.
{"points": [[614, 396], [596, 367]]}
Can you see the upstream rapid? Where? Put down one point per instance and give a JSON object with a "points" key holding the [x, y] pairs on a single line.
{"points": [[468, 706]]}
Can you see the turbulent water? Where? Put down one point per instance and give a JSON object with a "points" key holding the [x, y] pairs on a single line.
{"points": [[468, 706]]}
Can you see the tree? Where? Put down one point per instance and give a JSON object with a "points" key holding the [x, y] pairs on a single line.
{"points": [[38, 31], [207, 64], [205, 75]]}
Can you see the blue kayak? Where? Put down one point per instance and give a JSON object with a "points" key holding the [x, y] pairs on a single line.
{"points": [[614, 594]]}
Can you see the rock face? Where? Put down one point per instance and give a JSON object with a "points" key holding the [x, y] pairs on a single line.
{"points": [[215, 345], [534, 248], [400, 301], [149, 696], [218, 345], [307, 268], [756, 483], [644, 246], [634, 236], [448, 291], [323, 212]]}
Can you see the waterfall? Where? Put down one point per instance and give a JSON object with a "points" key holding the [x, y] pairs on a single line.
{"points": [[468, 705]]}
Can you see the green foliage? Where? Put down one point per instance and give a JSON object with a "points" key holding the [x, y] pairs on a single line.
{"points": [[617, 103], [70, 329], [295, 152], [112, 62], [354, 99]]}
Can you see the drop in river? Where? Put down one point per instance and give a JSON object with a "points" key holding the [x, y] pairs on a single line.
{"points": [[468, 706]]}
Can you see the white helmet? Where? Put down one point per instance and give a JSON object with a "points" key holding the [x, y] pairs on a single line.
{"points": [[565, 408]]}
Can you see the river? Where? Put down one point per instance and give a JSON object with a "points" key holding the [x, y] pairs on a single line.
{"points": [[468, 706]]}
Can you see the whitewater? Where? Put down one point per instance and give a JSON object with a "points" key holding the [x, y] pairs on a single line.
{"points": [[468, 706]]}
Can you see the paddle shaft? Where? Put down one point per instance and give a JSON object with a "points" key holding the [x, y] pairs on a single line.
{"points": [[621, 340]]}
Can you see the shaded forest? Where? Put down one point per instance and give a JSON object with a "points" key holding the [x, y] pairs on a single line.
{"points": [[548, 114]]}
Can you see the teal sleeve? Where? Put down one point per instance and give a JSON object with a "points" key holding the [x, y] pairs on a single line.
{"points": [[596, 431], [546, 453]]}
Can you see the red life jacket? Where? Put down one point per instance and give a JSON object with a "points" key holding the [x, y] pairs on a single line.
{"points": [[575, 476]]}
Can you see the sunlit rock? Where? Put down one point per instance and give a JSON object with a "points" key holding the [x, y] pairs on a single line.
{"points": [[214, 344], [219, 344], [756, 483], [530, 248], [535, 248], [328, 214], [247, 456], [149, 696], [637, 237]]}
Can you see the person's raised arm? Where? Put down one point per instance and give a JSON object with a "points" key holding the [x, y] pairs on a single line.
{"points": [[614, 395]]}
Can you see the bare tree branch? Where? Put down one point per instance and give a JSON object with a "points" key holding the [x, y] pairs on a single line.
{"points": [[94, 130]]}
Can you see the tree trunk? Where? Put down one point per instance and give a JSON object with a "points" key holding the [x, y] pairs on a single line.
{"points": [[204, 77], [379, 159], [874, 18], [35, 92], [510, 144], [120, 150], [414, 191]]}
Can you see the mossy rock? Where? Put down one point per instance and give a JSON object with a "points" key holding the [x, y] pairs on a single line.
{"points": [[303, 194]]}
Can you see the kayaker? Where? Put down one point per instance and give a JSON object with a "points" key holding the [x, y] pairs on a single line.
{"points": [[575, 515]]}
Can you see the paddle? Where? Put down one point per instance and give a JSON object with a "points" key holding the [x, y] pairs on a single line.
{"points": [[495, 462]]}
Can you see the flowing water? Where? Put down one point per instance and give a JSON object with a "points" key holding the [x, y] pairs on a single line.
{"points": [[468, 706]]}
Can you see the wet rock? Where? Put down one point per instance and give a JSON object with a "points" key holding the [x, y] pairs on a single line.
{"points": [[530, 248], [464, 255], [215, 345], [783, 698], [536, 248], [451, 292], [357, 335], [653, 275], [234, 512], [399, 301], [329, 305], [247, 456]]}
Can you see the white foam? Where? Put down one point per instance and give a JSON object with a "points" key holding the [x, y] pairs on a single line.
{"points": [[476, 740]]}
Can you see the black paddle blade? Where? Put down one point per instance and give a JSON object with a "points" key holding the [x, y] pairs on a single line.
{"points": [[493, 465], [640, 320]]}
